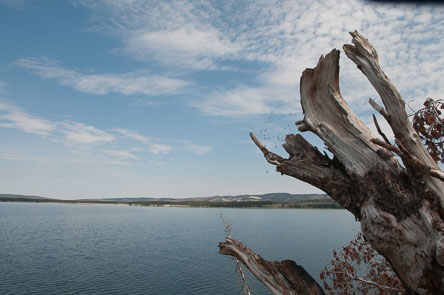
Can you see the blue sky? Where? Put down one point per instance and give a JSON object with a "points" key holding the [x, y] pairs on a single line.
{"points": [[157, 98]]}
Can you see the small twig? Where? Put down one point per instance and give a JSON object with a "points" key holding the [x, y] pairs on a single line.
{"points": [[408, 104], [387, 146], [379, 130], [226, 224], [239, 270], [377, 285], [243, 279], [357, 278]]}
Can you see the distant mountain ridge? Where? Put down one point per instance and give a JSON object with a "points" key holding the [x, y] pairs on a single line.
{"points": [[23, 197], [277, 197], [281, 197]]}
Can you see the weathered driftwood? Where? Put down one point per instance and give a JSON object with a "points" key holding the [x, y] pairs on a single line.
{"points": [[400, 207], [280, 277]]}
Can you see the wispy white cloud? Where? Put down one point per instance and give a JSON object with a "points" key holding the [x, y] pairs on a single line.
{"points": [[127, 84], [157, 148], [176, 34], [235, 102], [247, 100], [132, 134], [152, 146], [80, 136], [15, 118], [187, 47], [79, 133], [122, 154], [198, 149], [10, 156], [17, 4], [157, 163], [285, 37]]}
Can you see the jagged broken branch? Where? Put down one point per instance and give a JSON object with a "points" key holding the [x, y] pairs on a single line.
{"points": [[280, 277]]}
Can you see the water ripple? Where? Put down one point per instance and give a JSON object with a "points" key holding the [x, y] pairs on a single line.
{"points": [[68, 249]]}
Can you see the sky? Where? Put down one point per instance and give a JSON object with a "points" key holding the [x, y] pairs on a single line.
{"points": [[121, 98]]}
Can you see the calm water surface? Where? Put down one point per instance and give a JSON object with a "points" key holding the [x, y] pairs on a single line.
{"points": [[98, 249]]}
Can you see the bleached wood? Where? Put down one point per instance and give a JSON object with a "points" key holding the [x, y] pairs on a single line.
{"points": [[280, 277], [375, 121], [364, 55], [401, 208], [328, 115], [437, 174], [378, 108]]}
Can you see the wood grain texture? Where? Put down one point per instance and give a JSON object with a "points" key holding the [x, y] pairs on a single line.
{"points": [[400, 206], [280, 277]]}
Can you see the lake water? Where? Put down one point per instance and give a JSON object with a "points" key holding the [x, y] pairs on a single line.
{"points": [[98, 249]]}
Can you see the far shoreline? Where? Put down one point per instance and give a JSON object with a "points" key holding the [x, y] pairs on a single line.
{"points": [[228, 205]]}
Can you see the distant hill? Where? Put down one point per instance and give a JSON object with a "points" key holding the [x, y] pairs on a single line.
{"points": [[276, 197], [128, 200], [271, 200], [23, 198]]}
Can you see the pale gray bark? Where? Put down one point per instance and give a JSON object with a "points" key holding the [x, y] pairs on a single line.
{"points": [[400, 207], [280, 277]]}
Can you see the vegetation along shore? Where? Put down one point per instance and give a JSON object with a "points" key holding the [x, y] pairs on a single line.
{"points": [[273, 200]]}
